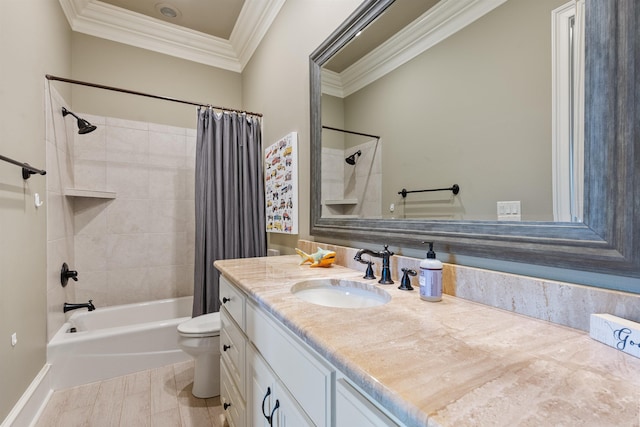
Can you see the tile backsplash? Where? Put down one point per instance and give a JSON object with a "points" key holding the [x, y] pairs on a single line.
{"points": [[562, 303]]}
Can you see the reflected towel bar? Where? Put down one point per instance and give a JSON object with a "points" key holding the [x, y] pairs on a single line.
{"points": [[455, 189], [27, 170], [351, 132]]}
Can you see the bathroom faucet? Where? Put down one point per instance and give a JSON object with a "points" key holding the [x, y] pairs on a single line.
{"points": [[385, 279], [88, 305]]}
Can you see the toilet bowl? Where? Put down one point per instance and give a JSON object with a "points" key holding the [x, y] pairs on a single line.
{"points": [[200, 338]]}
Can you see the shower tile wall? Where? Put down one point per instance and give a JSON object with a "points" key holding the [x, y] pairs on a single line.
{"points": [[362, 181], [60, 236], [332, 177], [138, 246]]}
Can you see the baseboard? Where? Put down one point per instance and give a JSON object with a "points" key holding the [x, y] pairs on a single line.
{"points": [[27, 410]]}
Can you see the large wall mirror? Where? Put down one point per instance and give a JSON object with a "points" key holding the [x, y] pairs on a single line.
{"points": [[521, 113]]}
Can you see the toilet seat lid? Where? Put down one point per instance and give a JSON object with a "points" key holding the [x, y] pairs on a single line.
{"points": [[204, 325]]}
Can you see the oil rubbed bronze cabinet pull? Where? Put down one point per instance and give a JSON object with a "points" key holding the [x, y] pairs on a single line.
{"points": [[264, 399], [270, 417]]}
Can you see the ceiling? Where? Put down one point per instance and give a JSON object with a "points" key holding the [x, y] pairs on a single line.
{"points": [[220, 33], [391, 21]]}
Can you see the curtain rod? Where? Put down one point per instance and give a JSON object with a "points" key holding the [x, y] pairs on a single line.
{"points": [[148, 95], [350, 131], [27, 169]]}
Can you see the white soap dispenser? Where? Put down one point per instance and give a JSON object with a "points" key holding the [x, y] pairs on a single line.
{"points": [[430, 276]]}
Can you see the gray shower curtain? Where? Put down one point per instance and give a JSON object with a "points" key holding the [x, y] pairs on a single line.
{"points": [[229, 199]]}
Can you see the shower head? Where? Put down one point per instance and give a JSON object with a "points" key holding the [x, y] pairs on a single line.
{"points": [[352, 158], [83, 125]]}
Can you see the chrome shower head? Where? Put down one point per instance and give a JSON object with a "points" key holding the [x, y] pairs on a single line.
{"points": [[83, 125], [353, 158]]}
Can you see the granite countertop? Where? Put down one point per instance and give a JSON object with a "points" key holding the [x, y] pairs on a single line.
{"points": [[453, 362]]}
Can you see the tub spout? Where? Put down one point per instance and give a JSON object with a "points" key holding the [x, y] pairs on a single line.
{"points": [[88, 305]]}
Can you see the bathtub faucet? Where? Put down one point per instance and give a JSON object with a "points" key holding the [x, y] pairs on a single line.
{"points": [[88, 305]]}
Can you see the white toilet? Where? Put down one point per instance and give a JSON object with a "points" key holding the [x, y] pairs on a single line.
{"points": [[200, 338]]}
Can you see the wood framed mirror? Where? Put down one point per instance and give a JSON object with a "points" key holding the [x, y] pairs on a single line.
{"points": [[608, 239]]}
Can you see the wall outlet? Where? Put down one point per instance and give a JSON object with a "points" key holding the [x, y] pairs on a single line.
{"points": [[509, 211], [14, 339]]}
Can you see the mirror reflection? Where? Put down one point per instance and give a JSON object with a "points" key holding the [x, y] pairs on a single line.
{"points": [[485, 95]]}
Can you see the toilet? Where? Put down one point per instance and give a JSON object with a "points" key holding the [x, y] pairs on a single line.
{"points": [[199, 337]]}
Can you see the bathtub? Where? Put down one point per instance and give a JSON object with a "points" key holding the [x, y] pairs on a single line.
{"points": [[117, 340]]}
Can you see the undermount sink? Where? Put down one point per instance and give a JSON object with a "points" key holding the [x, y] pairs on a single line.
{"points": [[340, 293]]}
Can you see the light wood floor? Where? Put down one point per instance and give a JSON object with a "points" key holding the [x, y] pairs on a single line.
{"points": [[157, 397]]}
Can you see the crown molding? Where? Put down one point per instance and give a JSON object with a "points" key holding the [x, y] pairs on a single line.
{"points": [[106, 21], [434, 26], [332, 83], [253, 23]]}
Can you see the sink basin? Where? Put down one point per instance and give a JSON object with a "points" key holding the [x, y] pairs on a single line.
{"points": [[340, 293]]}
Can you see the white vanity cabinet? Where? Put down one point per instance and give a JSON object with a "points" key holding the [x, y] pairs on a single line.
{"points": [[270, 377], [354, 409], [269, 403], [232, 354], [304, 374]]}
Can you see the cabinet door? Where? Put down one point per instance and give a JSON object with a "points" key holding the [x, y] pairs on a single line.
{"points": [[269, 403], [260, 396], [308, 377], [354, 409], [289, 413]]}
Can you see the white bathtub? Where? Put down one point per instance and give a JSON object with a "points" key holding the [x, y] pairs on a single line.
{"points": [[118, 340]]}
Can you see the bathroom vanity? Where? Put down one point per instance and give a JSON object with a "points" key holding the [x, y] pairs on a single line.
{"points": [[287, 361]]}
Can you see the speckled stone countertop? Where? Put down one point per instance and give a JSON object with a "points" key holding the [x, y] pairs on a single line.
{"points": [[454, 362]]}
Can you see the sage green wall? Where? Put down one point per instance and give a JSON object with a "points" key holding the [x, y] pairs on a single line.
{"points": [[35, 39], [474, 110], [333, 115], [276, 83], [109, 63]]}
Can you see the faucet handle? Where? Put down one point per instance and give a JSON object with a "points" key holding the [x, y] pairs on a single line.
{"points": [[387, 251], [405, 283], [66, 274], [369, 273]]}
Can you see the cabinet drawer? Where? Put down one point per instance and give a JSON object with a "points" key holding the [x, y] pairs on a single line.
{"points": [[232, 350], [234, 407], [233, 301], [306, 376]]}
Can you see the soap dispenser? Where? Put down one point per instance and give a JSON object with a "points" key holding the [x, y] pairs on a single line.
{"points": [[430, 276]]}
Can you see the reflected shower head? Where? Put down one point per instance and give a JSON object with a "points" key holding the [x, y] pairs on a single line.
{"points": [[83, 125], [352, 158]]}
